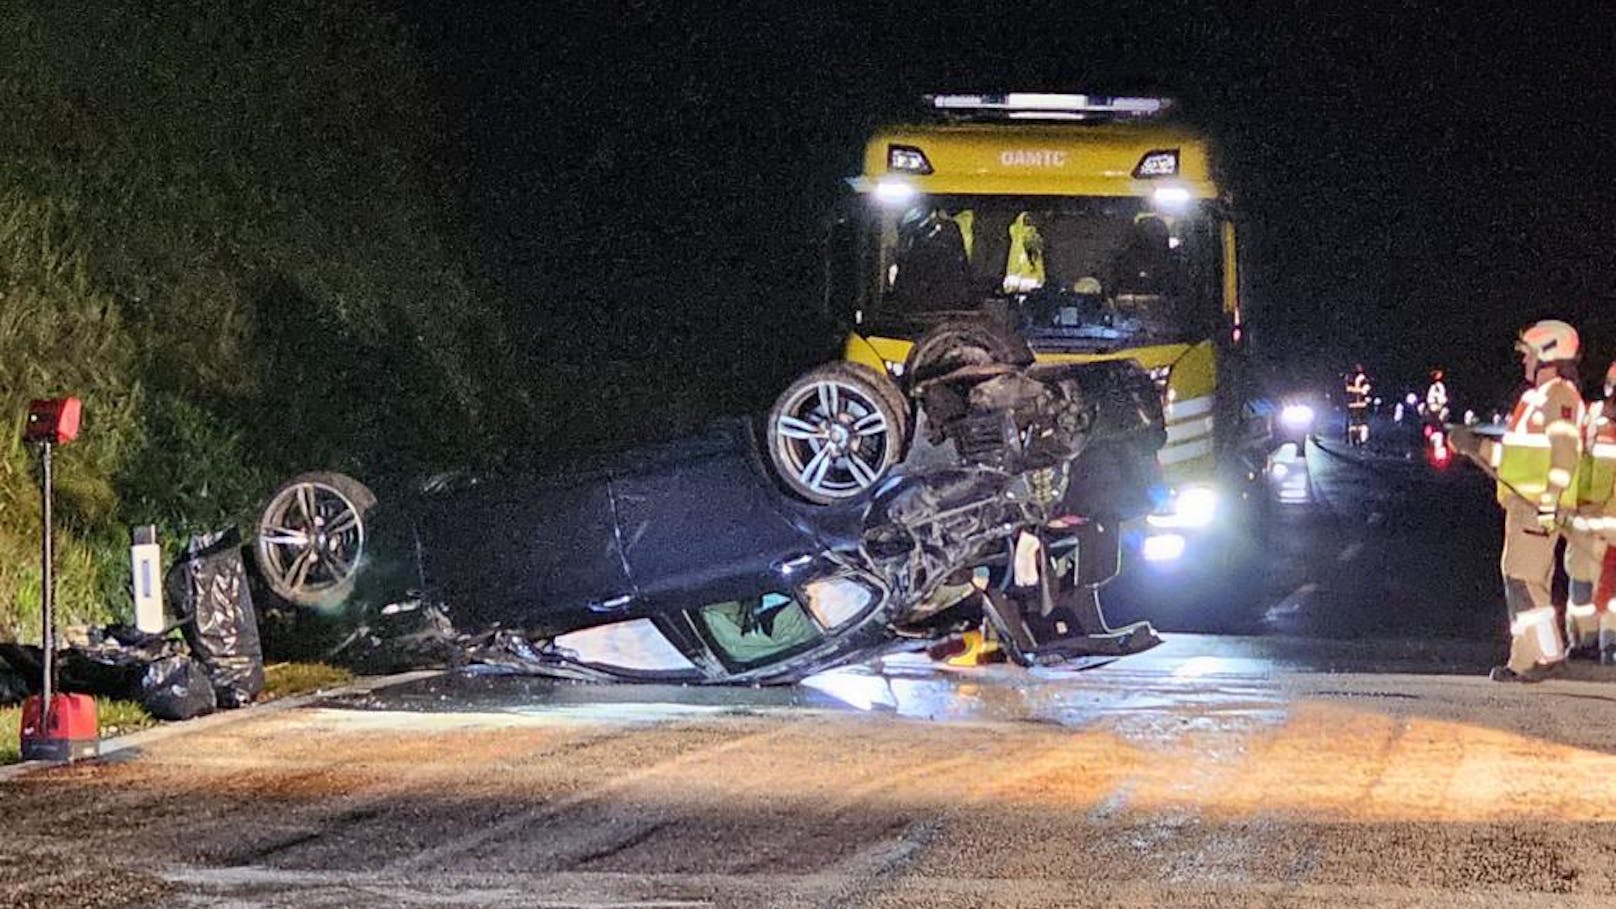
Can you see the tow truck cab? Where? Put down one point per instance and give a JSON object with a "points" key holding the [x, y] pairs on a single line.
{"points": [[1095, 226]]}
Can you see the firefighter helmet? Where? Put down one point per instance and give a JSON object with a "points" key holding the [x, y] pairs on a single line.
{"points": [[1550, 341]]}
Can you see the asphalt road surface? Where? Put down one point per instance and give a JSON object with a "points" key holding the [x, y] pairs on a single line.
{"points": [[1331, 742]]}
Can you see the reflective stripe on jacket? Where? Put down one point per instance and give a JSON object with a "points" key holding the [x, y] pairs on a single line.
{"points": [[1358, 391], [1596, 477], [1539, 454], [1436, 397]]}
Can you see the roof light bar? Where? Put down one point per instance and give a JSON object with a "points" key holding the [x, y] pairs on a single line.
{"points": [[1062, 106]]}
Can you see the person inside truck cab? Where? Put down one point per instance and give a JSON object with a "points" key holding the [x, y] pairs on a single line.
{"points": [[932, 269], [1147, 264]]}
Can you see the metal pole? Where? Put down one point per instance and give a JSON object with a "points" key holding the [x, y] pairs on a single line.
{"points": [[46, 588]]}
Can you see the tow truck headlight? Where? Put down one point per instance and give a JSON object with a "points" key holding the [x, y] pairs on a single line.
{"points": [[907, 159], [894, 368], [1197, 506], [894, 192], [1172, 198], [1163, 547], [1297, 417], [1193, 507], [1160, 163]]}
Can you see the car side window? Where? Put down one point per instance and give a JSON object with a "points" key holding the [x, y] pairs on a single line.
{"points": [[836, 601], [635, 645], [757, 629]]}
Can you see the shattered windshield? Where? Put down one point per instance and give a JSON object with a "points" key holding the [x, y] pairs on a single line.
{"points": [[1084, 271]]}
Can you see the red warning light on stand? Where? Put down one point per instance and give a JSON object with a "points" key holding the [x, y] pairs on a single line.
{"points": [[54, 421]]}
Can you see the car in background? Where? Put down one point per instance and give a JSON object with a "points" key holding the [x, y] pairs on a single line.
{"points": [[863, 515]]}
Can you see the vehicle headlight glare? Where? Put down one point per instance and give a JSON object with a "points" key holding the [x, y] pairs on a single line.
{"points": [[1196, 506], [1163, 547], [1297, 416], [1171, 197], [893, 192], [894, 368]]}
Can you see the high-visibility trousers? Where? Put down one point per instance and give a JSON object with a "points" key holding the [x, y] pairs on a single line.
{"points": [[1584, 558], [1528, 570], [1605, 599], [1528, 562]]}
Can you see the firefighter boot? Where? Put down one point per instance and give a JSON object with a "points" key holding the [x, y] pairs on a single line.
{"points": [[1535, 649], [1607, 636], [1582, 626]]}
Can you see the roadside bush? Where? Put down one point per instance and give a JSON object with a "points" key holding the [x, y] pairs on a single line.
{"points": [[217, 227]]}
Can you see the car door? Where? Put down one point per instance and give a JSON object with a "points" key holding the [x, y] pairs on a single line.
{"points": [[706, 528], [543, 556]]}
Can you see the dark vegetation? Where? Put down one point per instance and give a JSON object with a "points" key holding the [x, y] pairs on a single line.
{"points": [[386, 238], [218, 225]]}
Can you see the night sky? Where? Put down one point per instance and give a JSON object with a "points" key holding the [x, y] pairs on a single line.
{"points": [[647, 183]]}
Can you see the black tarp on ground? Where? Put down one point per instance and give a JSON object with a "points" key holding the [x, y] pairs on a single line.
{"points": [[13, 687], [208, 585], [110, 664], [120, 663], [177, 687]]}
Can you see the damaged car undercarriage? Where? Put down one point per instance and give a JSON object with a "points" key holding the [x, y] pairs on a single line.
{"points": [[864, 516]]}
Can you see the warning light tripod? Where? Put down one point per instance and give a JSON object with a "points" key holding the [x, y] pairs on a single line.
{"points": [[54, 726]]}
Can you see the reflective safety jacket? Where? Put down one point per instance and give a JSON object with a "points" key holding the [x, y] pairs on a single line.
{"points": [[1358, 391], [1596, 477], [966, 219], [1024, 269], [1538, 457]]}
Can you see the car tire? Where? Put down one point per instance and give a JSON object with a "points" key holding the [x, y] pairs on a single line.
{"points": [[312, 538], [963, 343], [834, 433]]}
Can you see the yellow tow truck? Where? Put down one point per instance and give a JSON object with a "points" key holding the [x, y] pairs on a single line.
{"points": [[1095, 224]]}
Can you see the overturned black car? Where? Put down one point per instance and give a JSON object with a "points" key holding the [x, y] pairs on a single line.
{"points": [[862, 516]]}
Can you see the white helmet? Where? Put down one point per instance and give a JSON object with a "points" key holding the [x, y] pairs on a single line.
{"points": [[1550, 341]]}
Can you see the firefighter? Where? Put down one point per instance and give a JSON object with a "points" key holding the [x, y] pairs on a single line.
{"points": [[1590, 620], [1535, 464], [1357, 394], [933, 269], [1436, 398]]}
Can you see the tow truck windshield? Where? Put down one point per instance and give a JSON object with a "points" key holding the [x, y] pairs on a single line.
{"points": [[1074, 273]]}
